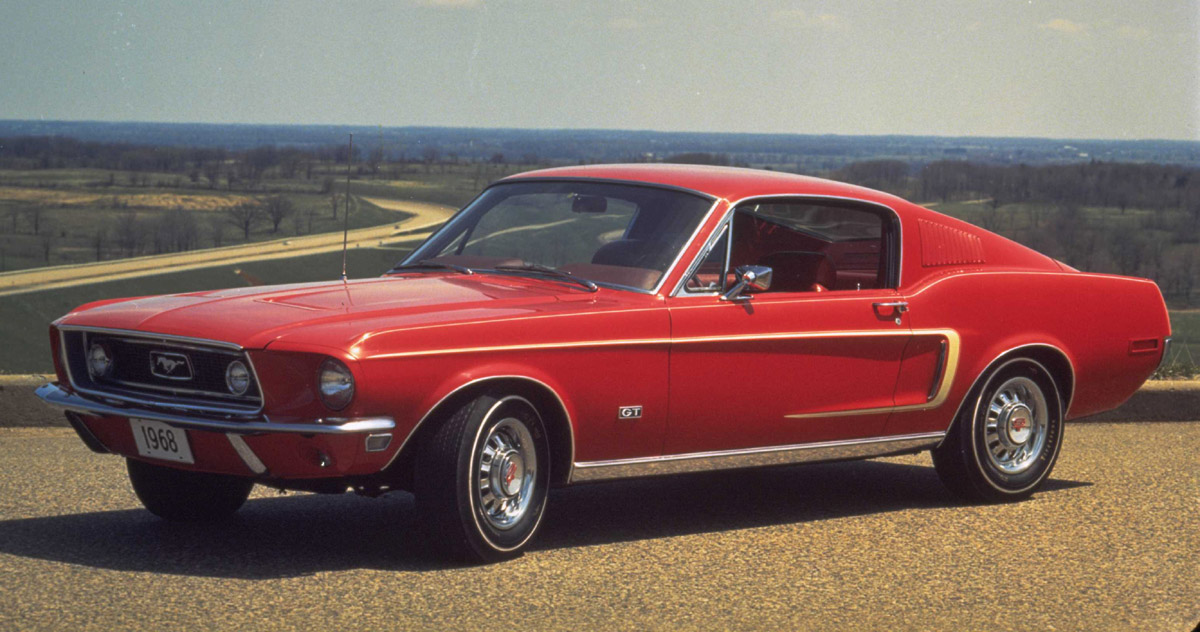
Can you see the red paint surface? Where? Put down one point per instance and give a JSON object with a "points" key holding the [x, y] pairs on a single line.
{"points": [[413, 339]]}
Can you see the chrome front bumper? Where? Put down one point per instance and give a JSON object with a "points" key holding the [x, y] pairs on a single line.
{"points": [[55, 395]]}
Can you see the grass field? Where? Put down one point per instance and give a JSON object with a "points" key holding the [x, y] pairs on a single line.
{"points": [[68, 216], [24, 318], [1185, 331]]}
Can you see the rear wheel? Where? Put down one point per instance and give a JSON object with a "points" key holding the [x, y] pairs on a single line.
{"points": [[1005, 445], [183, 496], [482, 479]]}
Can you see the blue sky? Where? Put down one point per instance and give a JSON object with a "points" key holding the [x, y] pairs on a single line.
{"points": [[1096, 69]]}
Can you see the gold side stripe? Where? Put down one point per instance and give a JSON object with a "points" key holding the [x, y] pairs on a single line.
{"points": [[954, 343], [668, 341]]}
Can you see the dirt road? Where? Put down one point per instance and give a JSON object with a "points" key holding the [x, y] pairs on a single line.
{"points": [[424, 216]]}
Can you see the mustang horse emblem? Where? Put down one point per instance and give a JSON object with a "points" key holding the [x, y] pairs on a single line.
{"points": [[173, 366]]}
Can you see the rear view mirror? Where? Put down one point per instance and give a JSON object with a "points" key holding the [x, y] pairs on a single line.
{"points": [[589, 204]]}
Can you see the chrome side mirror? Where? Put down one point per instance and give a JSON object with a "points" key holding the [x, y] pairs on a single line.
{"points": [[748, 278]]}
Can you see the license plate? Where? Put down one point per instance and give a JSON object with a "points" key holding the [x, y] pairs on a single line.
{"points": [[160, 441]]}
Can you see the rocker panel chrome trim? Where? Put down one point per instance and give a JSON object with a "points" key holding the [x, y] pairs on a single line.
{"points": [[754, 457]]}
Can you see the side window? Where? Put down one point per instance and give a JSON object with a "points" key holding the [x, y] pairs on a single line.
{"points": [[814, 246], [709, 274]]}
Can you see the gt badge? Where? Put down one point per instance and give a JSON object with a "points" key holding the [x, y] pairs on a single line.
{"points": [[629, 412]]}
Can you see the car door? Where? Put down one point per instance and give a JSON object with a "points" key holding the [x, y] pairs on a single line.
{"points": [[813, 358]]}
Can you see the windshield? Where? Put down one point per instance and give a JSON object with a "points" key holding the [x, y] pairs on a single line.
{"points": [[611, 234]]}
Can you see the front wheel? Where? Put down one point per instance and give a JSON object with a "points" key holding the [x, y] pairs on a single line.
{"points": [[1005, 445], [183, 496], [482, 479]]}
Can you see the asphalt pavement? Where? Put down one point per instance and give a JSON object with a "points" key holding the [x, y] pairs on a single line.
{"points": [[1111, 543]]}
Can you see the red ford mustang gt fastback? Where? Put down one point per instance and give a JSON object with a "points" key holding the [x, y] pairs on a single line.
{"points": [[591, 323]]}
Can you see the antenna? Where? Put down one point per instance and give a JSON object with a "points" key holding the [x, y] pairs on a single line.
{"points": [[346, 216]]}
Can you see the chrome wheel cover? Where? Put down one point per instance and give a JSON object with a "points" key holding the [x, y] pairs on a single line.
{"points": [[505, 474], [1015, 425]]}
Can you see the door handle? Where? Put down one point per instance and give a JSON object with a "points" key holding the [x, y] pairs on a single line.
{"points": [[899, 306]]}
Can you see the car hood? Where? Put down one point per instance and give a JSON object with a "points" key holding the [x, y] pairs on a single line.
{"points": [[331, 314]]}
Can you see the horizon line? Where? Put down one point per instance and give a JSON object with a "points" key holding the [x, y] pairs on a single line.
{"points": [[603, 129]]}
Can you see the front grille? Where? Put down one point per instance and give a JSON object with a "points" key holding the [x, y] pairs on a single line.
{"points": [[164, 371]]}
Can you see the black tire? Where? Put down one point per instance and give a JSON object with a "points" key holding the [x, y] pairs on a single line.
{"points": [[452, 489], [183, 496], [973, 461]]}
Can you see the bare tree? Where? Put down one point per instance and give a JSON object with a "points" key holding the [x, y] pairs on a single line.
{"points": [[245, 216], [48, 239], [34, 214], [176, 230], [298, 223], [98, 239], [989, 217], [430, 154], [212, 171], [334, 201], [128, 230], [310, 215], [1126, 250], [373, 160], [218, 233], [278, 208]]}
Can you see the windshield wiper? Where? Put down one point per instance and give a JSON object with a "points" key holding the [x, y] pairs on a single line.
{"points": [[554, 272], [432, 265]]}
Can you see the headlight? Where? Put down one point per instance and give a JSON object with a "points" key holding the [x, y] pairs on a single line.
{"points": [[237, 378], [336, 384], [99, 360]]}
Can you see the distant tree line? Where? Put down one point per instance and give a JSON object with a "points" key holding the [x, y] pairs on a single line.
{"points": [[202, 166], [1132, 219], [1129, 218]]}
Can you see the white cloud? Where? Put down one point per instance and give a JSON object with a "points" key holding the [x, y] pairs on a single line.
{"points": [[627, 24], [1063, 25], [447, 4], [800, 18], [1133, 32]]}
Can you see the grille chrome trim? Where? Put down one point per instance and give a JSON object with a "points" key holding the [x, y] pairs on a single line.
{"points": [[204, 342], [147, 399]]}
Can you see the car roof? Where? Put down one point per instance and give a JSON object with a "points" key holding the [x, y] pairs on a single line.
{"points": [[730, 183]]}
